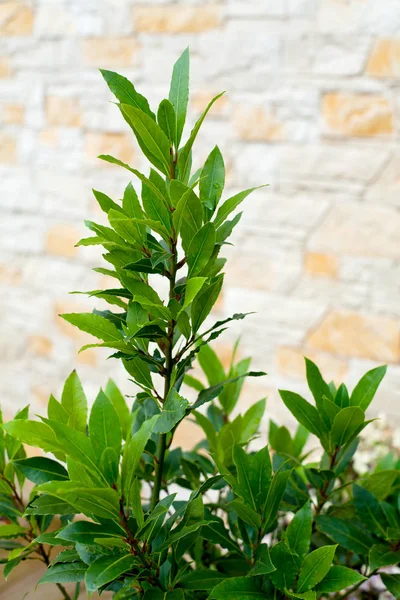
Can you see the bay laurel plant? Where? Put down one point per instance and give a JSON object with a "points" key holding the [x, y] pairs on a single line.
{"points": [[114, 505]]}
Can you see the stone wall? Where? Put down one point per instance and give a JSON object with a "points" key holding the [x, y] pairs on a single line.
{"points": [[312, 109]]}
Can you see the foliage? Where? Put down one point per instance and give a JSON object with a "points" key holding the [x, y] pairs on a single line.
{"points": [[128, 512]]}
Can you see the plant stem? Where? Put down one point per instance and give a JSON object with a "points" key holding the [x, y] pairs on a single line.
{"points": [[169, 364]]}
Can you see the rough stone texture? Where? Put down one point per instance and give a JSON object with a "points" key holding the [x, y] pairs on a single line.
{"points": [[312, 108], [357, 114]]}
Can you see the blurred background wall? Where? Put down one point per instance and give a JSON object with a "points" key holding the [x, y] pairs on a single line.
{"points": [[312, 109]]}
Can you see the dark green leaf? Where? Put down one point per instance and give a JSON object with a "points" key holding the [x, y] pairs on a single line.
{"points": [[167, 119], [298, 533], [212, 179], [315, 566], [107, 569], [229, 205], [64, 573], [40, 469], [338, 578], [125, 91], [104, 425], [237, 588], [346, 533], [200, 249], [392, 583], [366, 388]]}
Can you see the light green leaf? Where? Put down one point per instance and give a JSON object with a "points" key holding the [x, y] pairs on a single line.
{"points": [[298, 533], [84, 532], [179, 92], [319, 388], [200, 249], [104, 425], [365, 389], [133, 452], [64, 573], [392, 583], [263, 564], [193, 286], [120, 406], [10, 531], [125, 91], [107, 569], [127, 228], [167, 119], [96, 325], [212, 179], [246, 513], [315, 566], [229, 205], [204, 301], [33, 433], [40, 469], [346, 423], [73, 401]]}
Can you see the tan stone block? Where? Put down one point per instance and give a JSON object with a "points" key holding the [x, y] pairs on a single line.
{"points": [[63, 111], [16, 18], [49, 136], [87, 357], [256, 123], [13, 114], [249, 270], [5, 67], [39, 344], [325, 265], [291, 363], [384, 60], [116, 144], [10, 275], [358, 231], [177, 19], [200, 101], [349, 333], [8, 148], [105, 52], [360, 115], [61, 240]]}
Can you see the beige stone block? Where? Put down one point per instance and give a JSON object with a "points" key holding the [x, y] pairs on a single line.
{"points": [[249, 270], [348, 333], [61, 240], [5, 67], [325, 265], [13, 114], [116, 144], [256, 123], [49, 136], [360, 115], [10, 275], [200, 101], [291, 363], [8, 148], [39, 344], [105, 52], [177, 19], [385, 189], [384, 60], [358, 230], [87, 357], [187, 435], [16, 18], [63, 111]]}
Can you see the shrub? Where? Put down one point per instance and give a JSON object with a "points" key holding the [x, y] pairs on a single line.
{"points": [[130, 513]]}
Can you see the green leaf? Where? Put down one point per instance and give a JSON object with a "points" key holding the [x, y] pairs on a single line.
{"points": [[173, 411], [33, 433], [64, 573], [298, 533], [104, 425], [96, 325], [315, 566], [73, 401], [338, 578], [49, 505], [193, 286], [133, 452], [263, 564], [131, 204], [185, 153], [392, 583], [230, 394], [231, 204], [204, 301], [369, 511], [40, 469], [155, 203], [107, 569], [127, 228], [180, 533], [151, 138], [188, 216], [365, 389], [120, 406], [237, 588], [179, 92], [201, 579], [274, 497], [211, 365], [304, 412], [382, 555], [288, 566], [84, 532], [125, 91], [346, 533], [212, 392], [380, 484], [260, 474], [245, 485], [345, 425], [102, 502], [105, 203], [201, 249], [10, 531], [212, 179], [167, 119], [246, 513], [319, 388]]}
